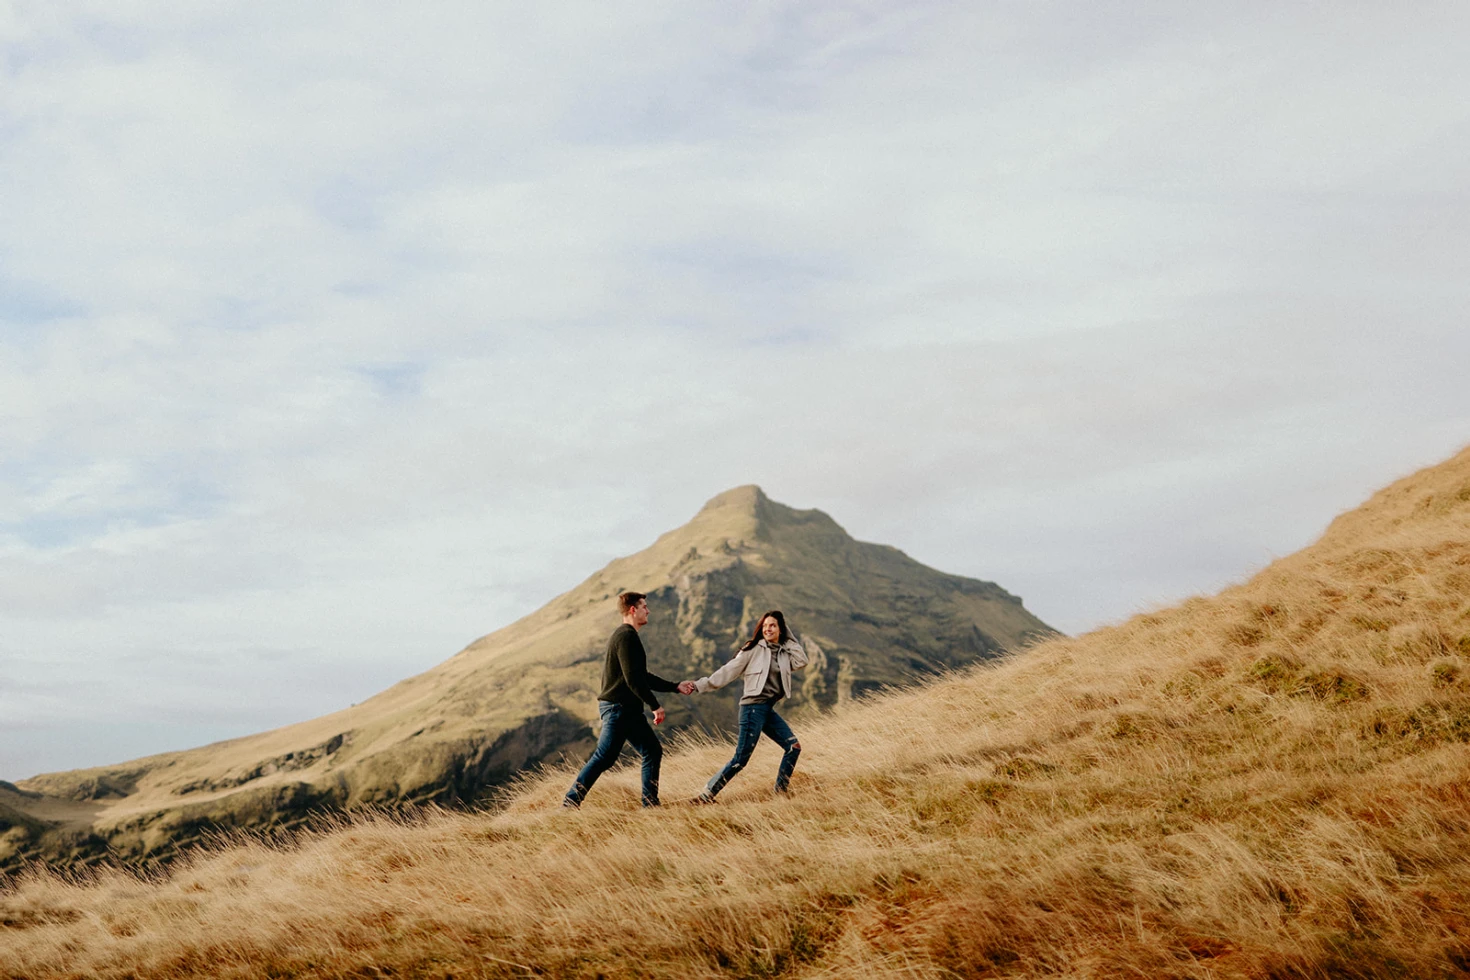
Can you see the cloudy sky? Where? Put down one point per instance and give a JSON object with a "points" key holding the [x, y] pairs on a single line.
{"points": [[335, 335]]}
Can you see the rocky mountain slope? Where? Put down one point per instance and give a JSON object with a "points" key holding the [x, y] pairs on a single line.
{"points": [[526, 694]]}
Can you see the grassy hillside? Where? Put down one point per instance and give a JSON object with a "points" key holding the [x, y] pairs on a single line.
{"points": [[1271, 782], [872, 617]]}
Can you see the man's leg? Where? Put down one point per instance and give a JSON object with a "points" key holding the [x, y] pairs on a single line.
{"points": [[752, 720], [643, 738], [609, 744], [782, 735]]}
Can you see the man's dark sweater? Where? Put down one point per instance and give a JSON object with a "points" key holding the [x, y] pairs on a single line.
{"points": [[625, 676]]}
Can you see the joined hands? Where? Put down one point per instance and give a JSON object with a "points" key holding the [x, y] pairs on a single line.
{"points": [[686, 687]]}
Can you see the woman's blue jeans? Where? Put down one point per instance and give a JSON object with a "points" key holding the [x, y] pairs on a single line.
{"points": [[621, 723], [755, 720]]}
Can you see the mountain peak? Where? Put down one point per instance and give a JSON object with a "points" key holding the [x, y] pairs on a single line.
{"points": [[745, 499], [738, 513], [746, 513]]}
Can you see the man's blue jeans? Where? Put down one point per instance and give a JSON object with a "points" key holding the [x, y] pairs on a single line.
{"points": [[756, 719], [621, 723]]}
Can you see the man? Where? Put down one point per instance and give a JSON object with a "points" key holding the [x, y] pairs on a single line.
{"points": [[626, 687]]}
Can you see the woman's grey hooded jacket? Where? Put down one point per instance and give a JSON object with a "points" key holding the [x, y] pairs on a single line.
{"points": [[754, 664]]}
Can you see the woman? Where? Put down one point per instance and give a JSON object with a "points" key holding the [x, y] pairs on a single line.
{"points": [[764, 664]]}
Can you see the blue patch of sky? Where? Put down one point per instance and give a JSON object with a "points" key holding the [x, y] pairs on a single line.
{"points": [[49, 533], [762, 285], [787, 68], [346, 202], [181, 491], [795, 68], [242, 313], [634, 115], [748, 268], [788, 336], [26, 307], [53, 532], [690, 107], [19, 55], [122, 42], [15, 58], [359, 288], [395, 381], [12, 129], [692, 101], [29, 750]]}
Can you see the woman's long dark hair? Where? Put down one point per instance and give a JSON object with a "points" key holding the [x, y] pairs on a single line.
{"points": [[755, 635]]}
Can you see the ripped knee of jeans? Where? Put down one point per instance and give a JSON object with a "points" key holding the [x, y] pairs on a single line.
{"points": [[795, 746]]}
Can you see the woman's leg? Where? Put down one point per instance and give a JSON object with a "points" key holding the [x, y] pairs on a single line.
{"points": [[752, 720], [776, 728]]}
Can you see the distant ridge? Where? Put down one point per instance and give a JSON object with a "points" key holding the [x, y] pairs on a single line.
{"points": [[873, 618]]}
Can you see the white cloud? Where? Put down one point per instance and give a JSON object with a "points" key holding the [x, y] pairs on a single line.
{"points": [[332, 337]]}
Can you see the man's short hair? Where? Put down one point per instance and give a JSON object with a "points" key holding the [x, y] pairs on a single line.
{"points": [[627, 600]]}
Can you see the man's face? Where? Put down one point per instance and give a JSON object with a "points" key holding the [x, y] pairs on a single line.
{"points": [[639, 613], [771, 630]]}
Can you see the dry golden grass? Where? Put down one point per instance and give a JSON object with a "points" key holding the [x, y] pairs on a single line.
{"points": [[1268, 783]]}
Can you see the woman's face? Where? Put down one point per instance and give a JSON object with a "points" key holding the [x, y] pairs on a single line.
{"points": [[771, 629]]}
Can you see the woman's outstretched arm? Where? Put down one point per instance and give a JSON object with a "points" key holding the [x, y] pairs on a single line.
{"points": [[727, 673]]}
